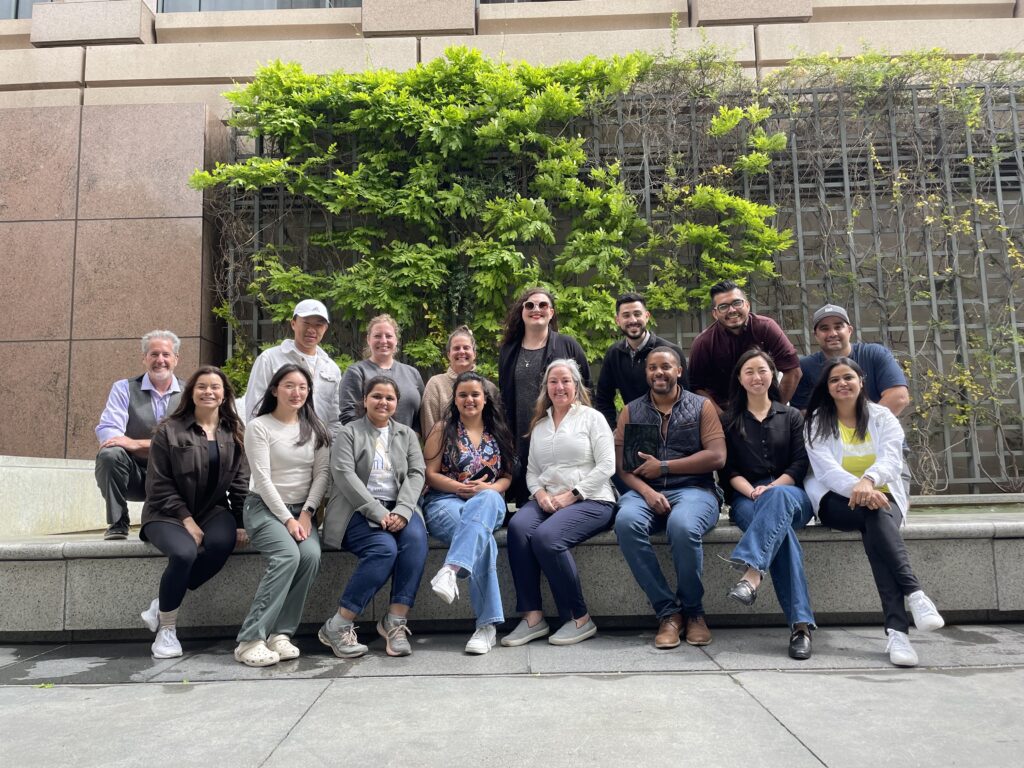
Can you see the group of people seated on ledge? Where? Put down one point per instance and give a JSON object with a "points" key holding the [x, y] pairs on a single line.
{"points": [[386, 461]]}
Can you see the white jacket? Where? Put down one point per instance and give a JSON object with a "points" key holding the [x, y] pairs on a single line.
{"points": [[826, 455], [326, 381]]}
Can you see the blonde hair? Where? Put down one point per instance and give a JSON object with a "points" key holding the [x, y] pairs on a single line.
{"points": [[378, 320], [540, 409]]}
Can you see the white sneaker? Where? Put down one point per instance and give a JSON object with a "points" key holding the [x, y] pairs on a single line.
{"points": [[901, 652], [482, 640], [151, 616], [445, 585], [926, 615], [166, 645]]}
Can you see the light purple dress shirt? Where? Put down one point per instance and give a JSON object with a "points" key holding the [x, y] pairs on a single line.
{"points": [[114, 419]]}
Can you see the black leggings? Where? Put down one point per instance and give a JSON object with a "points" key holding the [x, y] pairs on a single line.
{"points": [[188, 566], [887, 554]]}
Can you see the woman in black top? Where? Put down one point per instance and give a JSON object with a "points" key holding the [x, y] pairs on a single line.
{"points": [[765, 469]]}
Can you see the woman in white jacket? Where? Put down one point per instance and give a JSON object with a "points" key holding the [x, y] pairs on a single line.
{"points": [[856, 453]]}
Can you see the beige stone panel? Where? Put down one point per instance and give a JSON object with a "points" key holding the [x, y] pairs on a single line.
{"points": [[35, 294], [49, 97], [41, 497], [283, 24], [778, 43], [32, 599], [100, 21], [14, 33], [134, 275], [137, 160], [95, 366], [210, 95], [572, 46], [38, 162], [229, 62], [421, 17], [885, 10], [579, 16], [33, 397], [707, 12], [41, 68]]}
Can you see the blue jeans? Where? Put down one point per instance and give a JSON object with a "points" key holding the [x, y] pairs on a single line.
{"points": [[769, 543], [382, 554], [539, 542], [694, 512], [467, 526]]}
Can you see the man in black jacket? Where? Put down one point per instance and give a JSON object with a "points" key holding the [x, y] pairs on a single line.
{"points": [[625, 364]]}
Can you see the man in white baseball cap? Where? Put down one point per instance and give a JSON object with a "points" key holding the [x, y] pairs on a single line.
{"points": [[309, 324]]}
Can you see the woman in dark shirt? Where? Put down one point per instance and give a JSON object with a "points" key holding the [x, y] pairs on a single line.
{"points": [[765, 469], [195, 487]]}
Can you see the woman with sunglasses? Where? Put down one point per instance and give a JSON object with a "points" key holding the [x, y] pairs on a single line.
{"points": [[856, 452], [530, 343]]}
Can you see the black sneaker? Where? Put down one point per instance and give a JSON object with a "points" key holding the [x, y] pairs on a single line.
{"points": [[117, 532]]}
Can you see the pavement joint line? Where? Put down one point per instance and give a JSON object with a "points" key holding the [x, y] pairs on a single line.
{"points": [[299, 719], [33, 656], [775, 717]]}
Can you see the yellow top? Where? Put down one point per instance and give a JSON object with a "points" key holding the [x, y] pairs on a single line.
{"points": [[858, 455]]}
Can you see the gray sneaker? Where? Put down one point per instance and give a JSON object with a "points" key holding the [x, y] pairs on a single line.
{"points": [[395, 631], [524, 633], [343, 642], [570, 634]]}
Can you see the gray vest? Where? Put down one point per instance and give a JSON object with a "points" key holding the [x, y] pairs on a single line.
{"points": [[141, 422]]}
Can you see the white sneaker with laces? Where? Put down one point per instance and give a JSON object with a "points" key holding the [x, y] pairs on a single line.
{"points": [[482, 640], [901, 652], [926, 615], [445, 585], [151, 616], [166, 645]]}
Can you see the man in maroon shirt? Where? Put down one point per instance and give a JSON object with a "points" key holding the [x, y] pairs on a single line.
{"points": [[735, 330]]}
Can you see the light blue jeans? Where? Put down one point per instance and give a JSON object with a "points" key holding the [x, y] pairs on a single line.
{"points": [[769, 543], [694, 512], [467, 526]]}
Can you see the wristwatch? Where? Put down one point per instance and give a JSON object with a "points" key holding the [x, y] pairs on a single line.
{"points": [[664, 468], [312, 512], [576, 493]]}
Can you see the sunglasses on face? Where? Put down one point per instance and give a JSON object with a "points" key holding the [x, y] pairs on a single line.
{"points": [[532, 305], [734, 304]]}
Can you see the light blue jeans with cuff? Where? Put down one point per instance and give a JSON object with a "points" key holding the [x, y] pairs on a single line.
{"points": [[467, 526]]}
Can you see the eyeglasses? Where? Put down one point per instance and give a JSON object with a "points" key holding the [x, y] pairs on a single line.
{"points": [[532, 305], [734, 304]]}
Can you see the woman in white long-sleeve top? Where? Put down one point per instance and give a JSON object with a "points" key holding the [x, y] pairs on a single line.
{"points": [[572, 459], [288, 449], [856, 452]]}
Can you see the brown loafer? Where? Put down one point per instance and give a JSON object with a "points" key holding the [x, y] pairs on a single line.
{"points": [[668, 631], [697, 632]]}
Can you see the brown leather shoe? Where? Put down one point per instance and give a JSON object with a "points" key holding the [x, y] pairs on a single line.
{"points": [[668, 631], [697, 632]]}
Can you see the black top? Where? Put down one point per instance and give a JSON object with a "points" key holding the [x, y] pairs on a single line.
{"points": [[772, 447], [213, 471], [625, 370]]}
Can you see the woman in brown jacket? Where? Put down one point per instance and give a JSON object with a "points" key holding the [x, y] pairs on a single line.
{"points": [[195, 487]]}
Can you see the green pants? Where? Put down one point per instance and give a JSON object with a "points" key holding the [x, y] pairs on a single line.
{"points": [[291, 568]]}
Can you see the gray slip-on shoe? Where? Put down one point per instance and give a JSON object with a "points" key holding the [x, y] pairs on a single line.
{"points": [[570, 634], [524, 633]]}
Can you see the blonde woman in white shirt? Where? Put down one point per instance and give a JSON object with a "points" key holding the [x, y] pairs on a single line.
{"points": [[288, 449], [572, 459], [856, 452]]}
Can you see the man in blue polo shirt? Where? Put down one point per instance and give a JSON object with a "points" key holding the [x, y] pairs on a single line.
{"points": [[884, 381]]}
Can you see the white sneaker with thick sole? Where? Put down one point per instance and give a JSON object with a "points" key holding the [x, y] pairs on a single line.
{"points": [[926, 616], [151, 616], [482, 640], [166, 645], [445, 585], [901, 652]]}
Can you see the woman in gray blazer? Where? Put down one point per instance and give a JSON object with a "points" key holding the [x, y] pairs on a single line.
{"points": [[377, 470]]}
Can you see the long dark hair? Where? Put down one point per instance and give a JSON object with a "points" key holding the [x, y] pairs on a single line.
{"points": [[309, 423], [494, 423], [732, 416], [515, 329], [226, 412], [822, 416]]}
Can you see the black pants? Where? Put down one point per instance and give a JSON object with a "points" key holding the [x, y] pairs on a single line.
{"points": [[887, 554], [188, 566]]}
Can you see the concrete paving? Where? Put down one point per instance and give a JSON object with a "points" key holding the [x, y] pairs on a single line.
{"points": [[611, 701]]}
